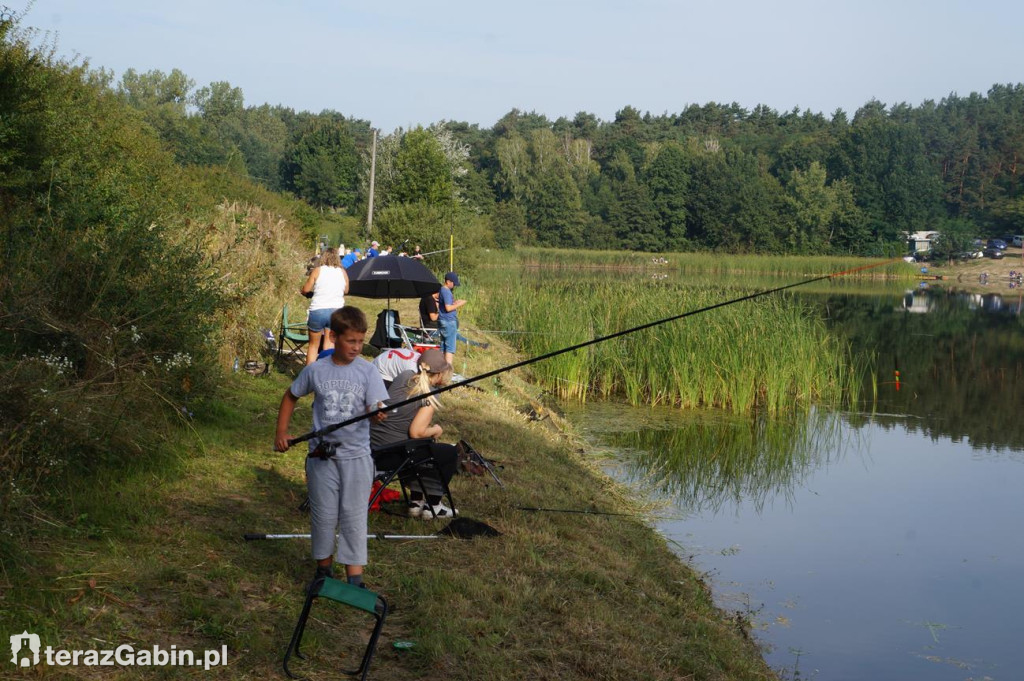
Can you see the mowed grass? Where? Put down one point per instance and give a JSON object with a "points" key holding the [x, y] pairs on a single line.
{"points": [[153, 555]]}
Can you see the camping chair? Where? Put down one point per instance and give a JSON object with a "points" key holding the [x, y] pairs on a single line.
{"points": [[293, 333], [406, 460], [385, 335], [340, 592], [429, 330], [390, 333]]}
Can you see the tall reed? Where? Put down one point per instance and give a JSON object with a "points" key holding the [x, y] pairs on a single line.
{"points": [[765, 353], [717, 264]]}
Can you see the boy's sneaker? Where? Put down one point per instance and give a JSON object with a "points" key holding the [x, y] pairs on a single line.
{"points": [[415, 508], [440, 511]]}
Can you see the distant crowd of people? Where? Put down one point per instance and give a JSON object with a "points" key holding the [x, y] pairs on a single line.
{"points": [[350, 256]]}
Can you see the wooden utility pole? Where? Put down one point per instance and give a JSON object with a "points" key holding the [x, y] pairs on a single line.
{"points": [[373, 174]]}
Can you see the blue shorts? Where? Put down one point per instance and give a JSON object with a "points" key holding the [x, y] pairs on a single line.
{"points": [[449, 333], [319, 320]]}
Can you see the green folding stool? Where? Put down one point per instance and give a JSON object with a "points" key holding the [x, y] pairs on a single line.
{"points": [[347, 594]]}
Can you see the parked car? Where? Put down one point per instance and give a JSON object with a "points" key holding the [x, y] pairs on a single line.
{"points": [[1018, 240], [994, 253], [996, 243]]}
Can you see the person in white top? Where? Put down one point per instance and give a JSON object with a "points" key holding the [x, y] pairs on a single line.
{"points": [[326, 286]]}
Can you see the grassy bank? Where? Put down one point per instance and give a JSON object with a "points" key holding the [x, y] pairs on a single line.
{"points": [[152, 554]]}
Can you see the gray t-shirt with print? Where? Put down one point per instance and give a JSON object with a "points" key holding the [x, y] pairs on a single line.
{"points": [[341, 391]]}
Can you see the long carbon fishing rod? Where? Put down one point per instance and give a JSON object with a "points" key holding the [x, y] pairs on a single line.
{"points": [[443, 250], [594, 341]]}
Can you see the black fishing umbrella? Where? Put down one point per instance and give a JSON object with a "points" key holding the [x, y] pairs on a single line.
{"points": [[389, 276]]}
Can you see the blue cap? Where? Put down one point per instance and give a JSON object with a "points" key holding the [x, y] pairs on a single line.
{"points": [[452, 277], [356, 250]]}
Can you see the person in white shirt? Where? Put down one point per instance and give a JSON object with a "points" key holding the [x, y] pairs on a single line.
{"points": [[326, 286]]}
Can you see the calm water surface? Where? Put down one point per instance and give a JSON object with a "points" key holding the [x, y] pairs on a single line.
{"points": [[879, 542]]}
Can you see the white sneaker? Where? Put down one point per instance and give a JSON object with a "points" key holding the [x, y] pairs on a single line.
{"points": [[415, 508], [439, 511]]}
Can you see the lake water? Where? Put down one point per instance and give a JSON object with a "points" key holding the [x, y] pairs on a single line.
{"points": [[877, 542]]}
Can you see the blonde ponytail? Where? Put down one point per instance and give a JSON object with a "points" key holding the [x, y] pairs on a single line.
{"points": [[420, 384]]}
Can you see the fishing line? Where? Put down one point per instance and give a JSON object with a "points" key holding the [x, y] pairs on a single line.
{"points": [[576, 510], [532, 333], [594, 341]]}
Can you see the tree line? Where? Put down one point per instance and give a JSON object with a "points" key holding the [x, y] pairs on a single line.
{"points": [[711, 177]]}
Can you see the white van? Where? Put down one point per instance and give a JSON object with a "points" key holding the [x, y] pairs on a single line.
{"points": [[1018, 240]]}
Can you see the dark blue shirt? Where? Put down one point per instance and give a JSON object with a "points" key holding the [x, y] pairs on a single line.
{"points": [[445, 299]]}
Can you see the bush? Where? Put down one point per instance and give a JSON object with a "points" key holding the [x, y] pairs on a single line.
{"points": [[107, 298]]}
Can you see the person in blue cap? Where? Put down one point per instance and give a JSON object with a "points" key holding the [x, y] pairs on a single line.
{"points": [[448, 316]]}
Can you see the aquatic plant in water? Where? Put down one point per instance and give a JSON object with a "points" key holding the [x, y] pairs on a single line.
{"points": [[769, 353]]}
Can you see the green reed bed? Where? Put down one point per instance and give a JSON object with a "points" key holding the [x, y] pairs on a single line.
{"points": [[768, 352], [717, 264], [556, 257], [791, 266]]}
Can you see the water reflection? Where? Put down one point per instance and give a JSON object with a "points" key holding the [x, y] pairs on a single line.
{"points": [[707, 459], [878, 542], [960, 359]]}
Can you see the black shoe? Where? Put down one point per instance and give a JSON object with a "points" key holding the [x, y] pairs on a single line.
{"points": [[322, 573]]}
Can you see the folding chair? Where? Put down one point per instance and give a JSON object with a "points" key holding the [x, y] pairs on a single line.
{"points": [[293, 333], [406, 461], [429, 330], [384, 334], [340, 592], [389, 332]]}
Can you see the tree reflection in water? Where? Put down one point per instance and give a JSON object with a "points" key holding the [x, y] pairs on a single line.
{"points": [[961, 367], [714, 458], [961, 362]]}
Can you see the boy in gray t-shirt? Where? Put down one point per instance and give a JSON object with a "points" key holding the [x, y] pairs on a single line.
{"points": [[339, 469]]}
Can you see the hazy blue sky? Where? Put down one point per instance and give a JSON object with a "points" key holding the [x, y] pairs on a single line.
{"points": [[407, 62]]}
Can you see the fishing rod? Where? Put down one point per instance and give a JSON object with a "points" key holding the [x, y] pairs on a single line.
{"points": [[256, 536], [594, 341], [443, 250], [459, 528]]}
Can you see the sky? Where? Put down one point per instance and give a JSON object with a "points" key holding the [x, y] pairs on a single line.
{"points": [[402, 63]]}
